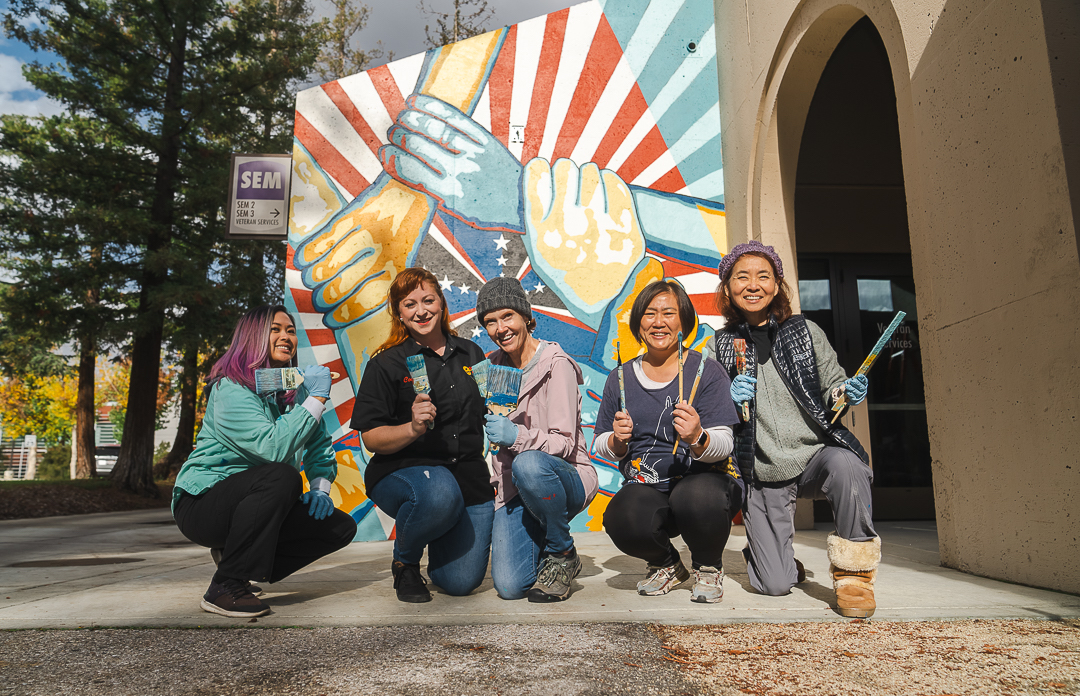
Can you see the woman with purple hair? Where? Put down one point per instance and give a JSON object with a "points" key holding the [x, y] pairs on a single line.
{"points": [[239, 493]]}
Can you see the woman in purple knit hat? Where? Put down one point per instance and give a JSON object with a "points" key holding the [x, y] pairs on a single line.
{"points": [[788, 448]]}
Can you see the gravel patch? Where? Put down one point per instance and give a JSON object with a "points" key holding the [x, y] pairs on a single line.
{"points": [[875, 657], [451, 661]]}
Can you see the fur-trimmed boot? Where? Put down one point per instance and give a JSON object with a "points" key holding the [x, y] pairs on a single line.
{"points": [[853, 566]]}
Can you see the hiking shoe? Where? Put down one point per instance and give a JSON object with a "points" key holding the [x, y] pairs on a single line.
{"points": [[662, 579], [232, 598], [409, 583], [215, 554], [708, 585], [557, 572]]}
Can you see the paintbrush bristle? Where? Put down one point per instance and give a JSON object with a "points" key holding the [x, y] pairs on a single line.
{"points": [[479, 373], [503, 386], [418, 372], [274, 379]]}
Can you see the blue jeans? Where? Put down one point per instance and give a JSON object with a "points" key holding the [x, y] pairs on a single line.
{"points": [[550, 494], [426, 505]]}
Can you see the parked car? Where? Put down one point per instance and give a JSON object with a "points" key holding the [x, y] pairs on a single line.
{"points": [[105, 458]]}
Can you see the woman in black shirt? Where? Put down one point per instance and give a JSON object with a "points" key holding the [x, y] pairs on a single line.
{"points": [[433, 482]]}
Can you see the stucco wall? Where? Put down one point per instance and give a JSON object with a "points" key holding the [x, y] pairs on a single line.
{"points": [[994, 242]]}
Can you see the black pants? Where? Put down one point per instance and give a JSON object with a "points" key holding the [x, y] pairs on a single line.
{"points": [[257, 519], [642, 520]]}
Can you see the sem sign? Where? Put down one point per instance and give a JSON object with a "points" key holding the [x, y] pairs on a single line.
{"points": [[259, 196]]}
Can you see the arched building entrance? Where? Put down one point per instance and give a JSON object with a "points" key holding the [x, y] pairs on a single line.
{"points": [[854, 262]]}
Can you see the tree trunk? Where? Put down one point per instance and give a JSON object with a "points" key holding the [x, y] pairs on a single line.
{"points": [[134, 469], [135, 464], [85, 416], [185, 428]]}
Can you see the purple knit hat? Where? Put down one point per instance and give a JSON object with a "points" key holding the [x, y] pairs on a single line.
{"points": [[753, 245]]}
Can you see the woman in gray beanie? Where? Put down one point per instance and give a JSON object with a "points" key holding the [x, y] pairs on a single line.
{"points": [[542, 473], [788, 448]]}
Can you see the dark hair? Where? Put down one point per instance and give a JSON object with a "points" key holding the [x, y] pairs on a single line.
{"points": [[407, 281], [687, 314], [780, 307], [250, 348]]}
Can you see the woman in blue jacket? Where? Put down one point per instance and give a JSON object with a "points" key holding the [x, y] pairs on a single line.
{"points": [[239, 493]]}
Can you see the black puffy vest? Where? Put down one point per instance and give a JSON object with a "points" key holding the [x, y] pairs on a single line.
{"points": [[795, 361]]}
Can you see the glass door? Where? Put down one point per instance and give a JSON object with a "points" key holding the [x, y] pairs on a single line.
{"points": [[853, 297]]}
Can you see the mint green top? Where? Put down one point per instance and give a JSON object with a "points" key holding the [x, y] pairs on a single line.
{"points": [[241, 430]]}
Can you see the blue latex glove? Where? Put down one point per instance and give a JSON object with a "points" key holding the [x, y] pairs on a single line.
{"points": [[317, 380], [500, 430], [855, 388], [319, 504], [743, 389]]}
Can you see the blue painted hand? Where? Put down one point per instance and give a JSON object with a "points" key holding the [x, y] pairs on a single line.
{"points": [[855, 388], [743, 388], [500, 430], [319, 504], [437, 149]]}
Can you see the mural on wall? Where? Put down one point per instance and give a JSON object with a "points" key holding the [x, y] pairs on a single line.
{"points": [[578, 152]]}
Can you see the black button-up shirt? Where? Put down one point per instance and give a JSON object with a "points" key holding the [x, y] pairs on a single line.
{"points": [[456, 442]]}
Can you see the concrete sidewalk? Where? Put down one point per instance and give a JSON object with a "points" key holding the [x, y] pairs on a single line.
{"points": [[136, 569]]}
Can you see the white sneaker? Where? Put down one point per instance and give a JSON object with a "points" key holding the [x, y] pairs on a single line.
{"points": [[708, 585], [662, 579]]}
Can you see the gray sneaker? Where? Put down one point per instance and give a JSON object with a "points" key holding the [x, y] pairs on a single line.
{"points": [[662, 579], [708, 585], [556, 574]]}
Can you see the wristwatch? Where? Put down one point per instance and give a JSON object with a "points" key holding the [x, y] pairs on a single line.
{"points": [[702, 439]]}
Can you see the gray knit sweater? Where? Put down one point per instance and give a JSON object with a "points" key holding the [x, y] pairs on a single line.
{"points": [[787, 437]]}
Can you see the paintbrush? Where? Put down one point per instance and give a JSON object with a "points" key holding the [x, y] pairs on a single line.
{"points": [[869, 362], [275, 379], [479, 373], [503, 388], [680, 367], [622, 378], [693, 391], [420, 382], [740, 367]]}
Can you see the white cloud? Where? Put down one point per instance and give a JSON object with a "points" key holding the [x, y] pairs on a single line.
{"points": [[17, 96]]}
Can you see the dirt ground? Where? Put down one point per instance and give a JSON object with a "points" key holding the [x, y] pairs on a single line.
{"points": [[807, 659], [25, 499], [877, 657]]}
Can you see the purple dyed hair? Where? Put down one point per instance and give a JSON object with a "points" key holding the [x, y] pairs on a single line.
{"points": [[250, 348]]}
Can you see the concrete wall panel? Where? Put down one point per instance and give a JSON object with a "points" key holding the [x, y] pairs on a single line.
{"points": [[987, 169]]}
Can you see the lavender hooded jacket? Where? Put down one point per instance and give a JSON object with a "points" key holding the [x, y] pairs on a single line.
{"points": [[549, 409]]}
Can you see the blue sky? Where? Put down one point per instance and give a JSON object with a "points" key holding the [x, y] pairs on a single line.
{"points": [[399, 27]]}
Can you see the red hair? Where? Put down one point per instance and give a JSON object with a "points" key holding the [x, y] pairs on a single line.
{"points": [[408, 280]]}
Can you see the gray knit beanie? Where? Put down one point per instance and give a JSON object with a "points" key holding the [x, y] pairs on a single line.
{"points": [[503, 293]]}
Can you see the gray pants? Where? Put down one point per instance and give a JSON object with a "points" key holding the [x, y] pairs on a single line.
{"points": [[834, 473]]}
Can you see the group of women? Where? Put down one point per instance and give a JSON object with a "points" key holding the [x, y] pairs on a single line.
{"points": [[240, 491]]}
